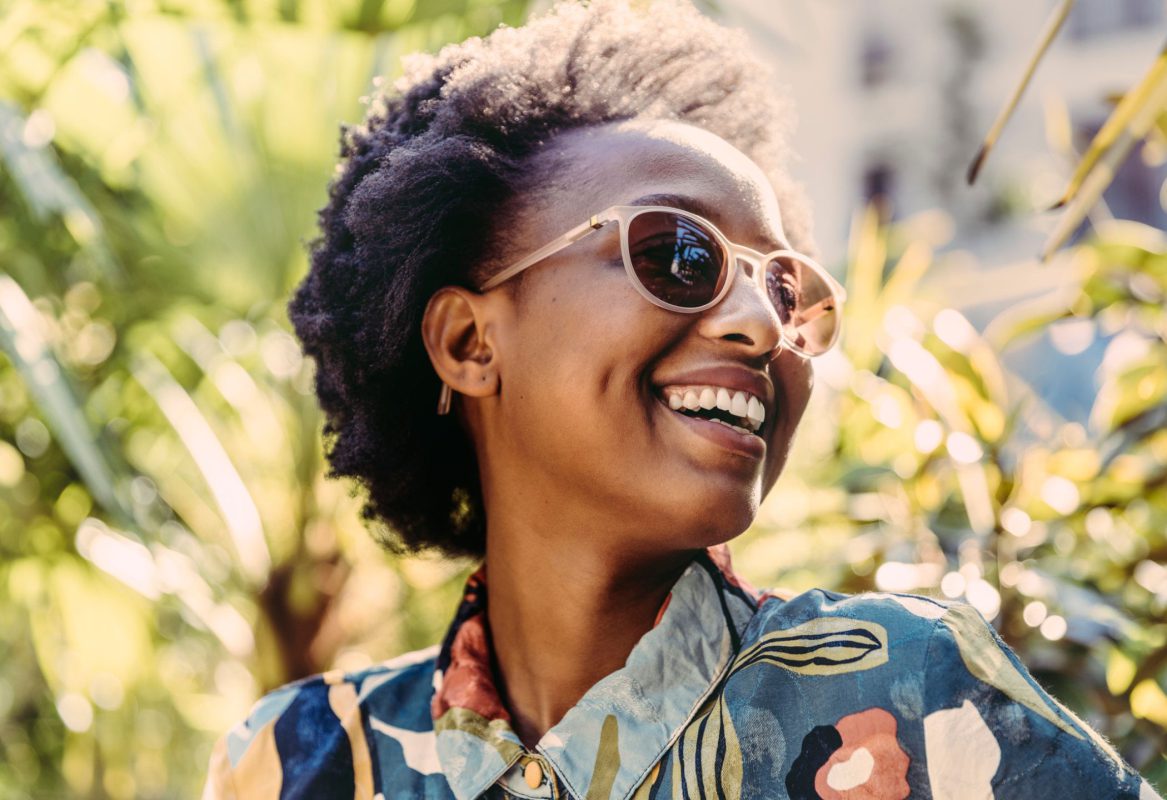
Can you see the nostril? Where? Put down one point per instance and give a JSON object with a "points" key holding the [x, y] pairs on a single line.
{"points": [[739, 337]]}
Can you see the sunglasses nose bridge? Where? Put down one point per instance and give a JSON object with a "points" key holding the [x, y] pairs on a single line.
{"points": [[746, 259], [751, 263]]}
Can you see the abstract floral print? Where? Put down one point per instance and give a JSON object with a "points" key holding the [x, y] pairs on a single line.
{"points": [[732, 694]]}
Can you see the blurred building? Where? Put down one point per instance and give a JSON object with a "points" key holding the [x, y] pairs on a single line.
{"points": [[893, 99], [894, 96]]}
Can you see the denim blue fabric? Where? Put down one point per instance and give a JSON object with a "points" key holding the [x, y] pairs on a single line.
{"points": [[733, 694]]}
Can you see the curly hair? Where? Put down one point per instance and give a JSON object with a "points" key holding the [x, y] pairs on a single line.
{"points": [[412, 205]]}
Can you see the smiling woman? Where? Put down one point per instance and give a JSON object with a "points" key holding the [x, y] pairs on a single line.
{"points": [[577, 240]]}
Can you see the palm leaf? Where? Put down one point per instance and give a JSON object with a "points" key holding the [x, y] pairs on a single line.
{"points": [[156, 570], [904, 280], [1130, 123], [1053, 26], [55, 397], [238, 509], [933, 383], [48, 190], [1059, 131], [1143, 104], [864, 280]]}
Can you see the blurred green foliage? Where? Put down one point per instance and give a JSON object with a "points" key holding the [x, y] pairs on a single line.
{"points": [[927, 467], [168, 545]]}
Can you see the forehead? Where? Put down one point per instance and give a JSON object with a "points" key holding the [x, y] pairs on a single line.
{"points": [[618, 163]]}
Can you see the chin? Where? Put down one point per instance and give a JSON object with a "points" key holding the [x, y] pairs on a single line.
{"points": [[706, 518]]}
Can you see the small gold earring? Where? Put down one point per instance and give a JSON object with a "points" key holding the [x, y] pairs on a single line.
{"points": [[445, 398]]}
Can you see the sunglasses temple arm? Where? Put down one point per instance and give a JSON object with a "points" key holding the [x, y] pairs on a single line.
{"points": [[820, 308], [571, 237]]}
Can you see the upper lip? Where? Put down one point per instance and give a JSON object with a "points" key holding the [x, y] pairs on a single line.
{"points": [[739, 379]]}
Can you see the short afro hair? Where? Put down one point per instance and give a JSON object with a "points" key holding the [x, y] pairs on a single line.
{"points": [[411, 207]]}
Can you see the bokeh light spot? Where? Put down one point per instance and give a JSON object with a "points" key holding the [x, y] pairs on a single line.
{"points": [[952, 585], [1054, 627], [1035, 613], [1016, 521], [75, 712], [963, 448], [1060, 494], [929, 434]]}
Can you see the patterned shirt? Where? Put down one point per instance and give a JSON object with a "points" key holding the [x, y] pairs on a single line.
{"points": [[732, 694]]}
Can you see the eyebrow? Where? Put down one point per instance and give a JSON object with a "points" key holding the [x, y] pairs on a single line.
{"points": [[701, 208]]}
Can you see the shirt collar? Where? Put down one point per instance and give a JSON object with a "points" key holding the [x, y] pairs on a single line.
{"points": [[628, 719]]}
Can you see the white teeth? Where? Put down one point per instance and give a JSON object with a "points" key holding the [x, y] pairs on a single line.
{"points": [[755, 411], [739, 406], [734, 427]]}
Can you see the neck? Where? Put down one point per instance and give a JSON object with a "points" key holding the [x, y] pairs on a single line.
{"points": [[564, 613]]}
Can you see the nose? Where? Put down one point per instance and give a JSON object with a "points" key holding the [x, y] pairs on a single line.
{"points": [[745, 316]]}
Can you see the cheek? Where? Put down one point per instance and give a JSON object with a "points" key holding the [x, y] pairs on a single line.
{"points": [[797, 379], [801, 383], [581, 346], [591, 318], [795, 376]]}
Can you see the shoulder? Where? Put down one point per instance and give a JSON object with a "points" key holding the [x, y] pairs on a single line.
{"points": [[390, 686], [967, 702], [936, 675], [859, 629], [892, 606], [319, 728], [947, 646]]}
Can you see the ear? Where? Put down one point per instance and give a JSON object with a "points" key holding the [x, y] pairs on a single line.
{"points": [[453, 331]]}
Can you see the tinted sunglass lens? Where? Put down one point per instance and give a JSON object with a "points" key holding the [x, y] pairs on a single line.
{"points": [[676, 259], [806, 303]]}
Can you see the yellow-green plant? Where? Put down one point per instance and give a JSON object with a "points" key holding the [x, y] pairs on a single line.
{"points": [[930, 468], [1135, 116], [169, 546]]}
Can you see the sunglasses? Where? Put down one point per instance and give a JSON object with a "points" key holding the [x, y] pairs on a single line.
{"points": [[681, 262]]}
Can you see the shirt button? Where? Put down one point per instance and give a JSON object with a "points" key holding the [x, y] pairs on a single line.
{"points": [[533, 774]]}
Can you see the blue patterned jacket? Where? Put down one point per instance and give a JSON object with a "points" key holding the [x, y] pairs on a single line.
{"points": [[733, 694]]}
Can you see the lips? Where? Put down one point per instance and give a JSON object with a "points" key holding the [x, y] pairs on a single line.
{"points": [[740, 442]]}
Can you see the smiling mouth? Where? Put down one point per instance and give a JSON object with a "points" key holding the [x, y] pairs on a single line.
{"points": [[737, 411]]}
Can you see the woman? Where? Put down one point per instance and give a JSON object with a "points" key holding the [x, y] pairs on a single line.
{"points": [[577, 237]]}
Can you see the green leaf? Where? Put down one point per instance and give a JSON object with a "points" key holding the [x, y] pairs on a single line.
{"points": [[238, 509], [1116, 129], [21, 339], [48, 191], [1130, 123], [1056, 21]]}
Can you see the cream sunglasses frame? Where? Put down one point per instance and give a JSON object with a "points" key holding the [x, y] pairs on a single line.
{"points": [[623, 215], [736, 252]]}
